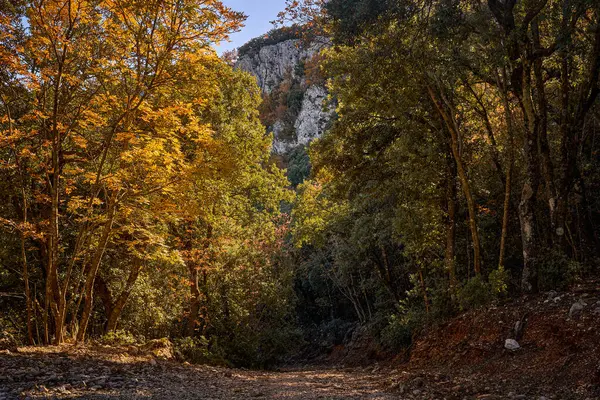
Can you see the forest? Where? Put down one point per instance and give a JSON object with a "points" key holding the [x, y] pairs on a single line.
{"points": [[140, 199]]}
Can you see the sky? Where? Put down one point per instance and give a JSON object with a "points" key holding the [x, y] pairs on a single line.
{"points": [[259, 12]]}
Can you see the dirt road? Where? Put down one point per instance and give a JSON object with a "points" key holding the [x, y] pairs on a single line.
{"points": [[63, 373], [106, 373]]}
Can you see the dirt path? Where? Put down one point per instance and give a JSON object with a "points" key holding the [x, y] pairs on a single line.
{"points": [[109, 373], [465, 359], [64, 373]]}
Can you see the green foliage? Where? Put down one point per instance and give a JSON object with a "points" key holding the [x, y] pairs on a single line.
{"points": [[155, 305], [474, 294], [168, 201], [298, 165], [294, 100], [333, 332], [498, 281], [443, 303], [198, 350], [350, 18], [400, 330], [119, 338], [300, 69], [557, 272], [264, 347]]}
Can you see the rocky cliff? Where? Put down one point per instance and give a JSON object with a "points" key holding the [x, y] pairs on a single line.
{"points": [[296, 106]]}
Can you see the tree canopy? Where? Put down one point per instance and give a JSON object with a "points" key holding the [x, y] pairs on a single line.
{"points": [[141, 197]]}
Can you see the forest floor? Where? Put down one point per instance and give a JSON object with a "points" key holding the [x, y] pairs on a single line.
{"points": [[71, 373], [558, 358]]}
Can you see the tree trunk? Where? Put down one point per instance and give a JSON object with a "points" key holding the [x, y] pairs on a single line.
{"points": [[195, 286], [424, 289], [530, 185], [118, 305], [385, 272], [93, 271], [449, 256], [464, 180], [509, 171], [545, 157], [102, 290], [195, 300], [26, 273], [572, 124]]}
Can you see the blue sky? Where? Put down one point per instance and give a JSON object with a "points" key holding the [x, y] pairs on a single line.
{"points": [[259, 12]]}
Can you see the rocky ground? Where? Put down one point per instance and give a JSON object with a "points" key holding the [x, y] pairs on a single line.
{"points": [[104, 373], [554, 353], [68, 373]]}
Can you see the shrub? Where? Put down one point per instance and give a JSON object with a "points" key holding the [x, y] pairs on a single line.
{"points": [[198, 350], [333, 332], [399, 332], [556, 271], [498, 280], [474, 294], [443, 306], [119, 338]]}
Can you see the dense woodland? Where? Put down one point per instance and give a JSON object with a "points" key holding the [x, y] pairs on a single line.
{"points": [[140, 199]]}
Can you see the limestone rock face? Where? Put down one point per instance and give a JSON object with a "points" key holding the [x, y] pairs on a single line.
{"points": [[272, 65], [314, 116]]}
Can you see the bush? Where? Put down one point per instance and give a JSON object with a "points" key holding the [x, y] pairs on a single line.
{"points": [[557, 272], [399, 332], [198, 350], [474, 294], [498, 280], [443, 305], [263, 347], [333, 332], [119, 338]]}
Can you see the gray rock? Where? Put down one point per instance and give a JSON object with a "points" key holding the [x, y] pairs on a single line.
{"points": [[577, 308], [271, 65], [511, 344]]}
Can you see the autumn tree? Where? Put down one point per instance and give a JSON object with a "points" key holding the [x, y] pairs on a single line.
{"points": [[96, 74]]}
